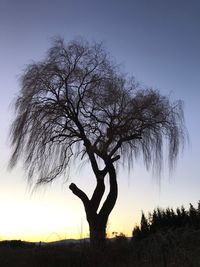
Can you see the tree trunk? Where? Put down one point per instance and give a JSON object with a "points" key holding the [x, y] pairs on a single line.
{"points": [[97, 233], [98, 221]]}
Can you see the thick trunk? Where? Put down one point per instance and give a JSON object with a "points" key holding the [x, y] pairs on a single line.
{"points": [[98, 221], [97, 233]]}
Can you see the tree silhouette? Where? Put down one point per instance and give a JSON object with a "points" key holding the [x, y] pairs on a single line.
{"points": [[165, 220], [77, 104], [144, 226]]}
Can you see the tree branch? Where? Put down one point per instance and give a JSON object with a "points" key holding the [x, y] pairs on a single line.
{"points": [[122, 140], [79, 193], [113, 193], [88, 146], [98, 194], [90, 212]]}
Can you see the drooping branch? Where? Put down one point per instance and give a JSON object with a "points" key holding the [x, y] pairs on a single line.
{"points": [[122, 140]]}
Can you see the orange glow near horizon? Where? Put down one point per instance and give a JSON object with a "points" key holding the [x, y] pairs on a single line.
{"points": [[54, 215], [46, 222]]}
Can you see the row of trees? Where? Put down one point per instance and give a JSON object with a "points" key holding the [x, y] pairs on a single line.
{"points": [[161, 220]]}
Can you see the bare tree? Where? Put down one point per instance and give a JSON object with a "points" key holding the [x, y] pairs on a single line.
{"points": [[76, 103]]}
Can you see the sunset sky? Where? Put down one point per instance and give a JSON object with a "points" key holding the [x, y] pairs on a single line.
{"points": [[157, 41]]}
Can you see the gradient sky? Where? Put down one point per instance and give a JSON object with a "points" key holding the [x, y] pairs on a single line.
{"points": [[157, 41]]}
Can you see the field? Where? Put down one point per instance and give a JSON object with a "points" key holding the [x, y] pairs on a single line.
{"points": [[178, 248], [167, 238]]}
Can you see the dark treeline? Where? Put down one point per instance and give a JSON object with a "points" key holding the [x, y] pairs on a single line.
{"points": [[164, 219]]}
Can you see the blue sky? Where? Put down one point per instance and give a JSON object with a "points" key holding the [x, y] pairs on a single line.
{"points": [[158, 42]]}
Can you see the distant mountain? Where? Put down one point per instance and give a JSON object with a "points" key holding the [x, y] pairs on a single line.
{"points": [[63, 242], [16, 244], [20, 243]]}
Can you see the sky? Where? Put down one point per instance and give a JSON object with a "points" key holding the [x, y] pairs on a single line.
{"points": [[158, 42]]}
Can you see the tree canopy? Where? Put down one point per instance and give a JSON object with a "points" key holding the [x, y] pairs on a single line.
{"points": [[77, 103]]}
